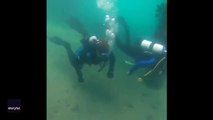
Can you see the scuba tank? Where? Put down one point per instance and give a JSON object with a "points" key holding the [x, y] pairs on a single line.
{"points": [[157, 49], [153, 47]]}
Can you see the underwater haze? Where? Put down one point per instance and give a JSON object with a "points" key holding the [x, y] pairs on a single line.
{"points": [[100, 98]]}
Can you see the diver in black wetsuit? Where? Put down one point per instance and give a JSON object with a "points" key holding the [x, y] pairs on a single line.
{"points": [[92, 52], [146, 54], [89, 53]]}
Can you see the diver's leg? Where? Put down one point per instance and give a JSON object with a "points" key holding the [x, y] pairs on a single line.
{"points": [[125, 47], [120, 45], [75, 24], [79, 73], [72, 57], [75, 63], [67, 46], [122, 22], [59, 41]]}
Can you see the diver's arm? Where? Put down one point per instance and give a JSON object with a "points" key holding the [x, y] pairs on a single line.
{"points": [[140, 64], [111, 65], [149, 73], [154, 68], [141, 78], [134, 68]]}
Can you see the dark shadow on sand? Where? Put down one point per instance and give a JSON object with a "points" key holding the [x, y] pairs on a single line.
{"points": [[155, 82], [97, 91]]}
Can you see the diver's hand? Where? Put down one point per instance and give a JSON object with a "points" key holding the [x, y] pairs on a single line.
{"points": [[110, 74]]}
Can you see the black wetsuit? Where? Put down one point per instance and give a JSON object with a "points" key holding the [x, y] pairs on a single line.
{"points": [[142, 57], [87, 54]]}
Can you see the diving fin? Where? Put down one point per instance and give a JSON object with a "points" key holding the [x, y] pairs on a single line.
{"points": [[58, 41], [75, 24]]}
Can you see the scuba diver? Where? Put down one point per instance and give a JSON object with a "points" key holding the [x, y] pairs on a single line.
{"points": [[92, 52], [147, 54], [156, 63]]}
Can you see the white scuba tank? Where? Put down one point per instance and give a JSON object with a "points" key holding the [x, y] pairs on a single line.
{"points": [[153, 47]]}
